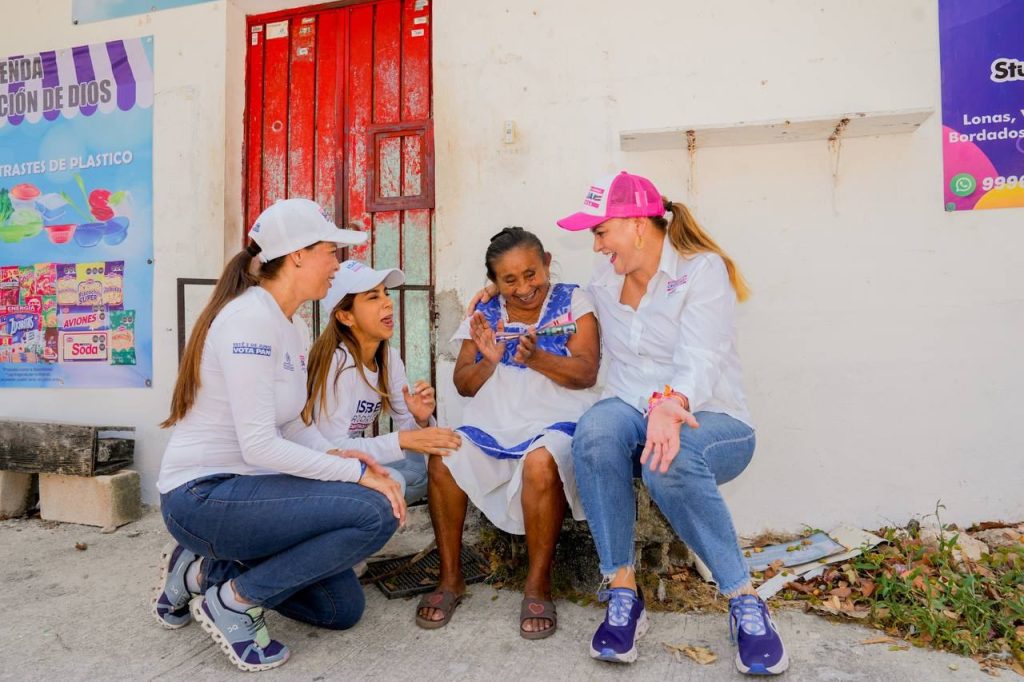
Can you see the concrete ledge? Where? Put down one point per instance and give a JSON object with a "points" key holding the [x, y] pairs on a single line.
{"points": [[107, 501], [15, 488]]}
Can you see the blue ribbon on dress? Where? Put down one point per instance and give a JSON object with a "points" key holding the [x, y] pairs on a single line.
{"points": [[493, 448]]}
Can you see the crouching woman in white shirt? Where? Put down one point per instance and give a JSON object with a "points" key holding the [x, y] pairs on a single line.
{"points": [[673, 405], [266, 513]]}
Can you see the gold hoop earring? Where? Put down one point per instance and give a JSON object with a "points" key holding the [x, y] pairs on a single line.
{"points": [[639, 242]]}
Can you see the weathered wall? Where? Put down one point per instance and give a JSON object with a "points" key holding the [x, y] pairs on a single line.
{"points": [[188, 197], [880, 345]]}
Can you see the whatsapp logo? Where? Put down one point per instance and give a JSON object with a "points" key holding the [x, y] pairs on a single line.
{"points": [[963, 184]]}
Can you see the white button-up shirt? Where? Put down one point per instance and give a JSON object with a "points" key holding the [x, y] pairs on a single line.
{"points": [[681, 334]]}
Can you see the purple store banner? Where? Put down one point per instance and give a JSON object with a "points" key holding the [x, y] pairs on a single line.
{"points": [[982, 52]]}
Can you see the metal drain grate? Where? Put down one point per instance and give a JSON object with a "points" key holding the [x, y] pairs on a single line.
{"points": [[395, 579]]}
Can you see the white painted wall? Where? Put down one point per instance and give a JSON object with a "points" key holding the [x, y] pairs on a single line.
{"points": [[188, 197], [881, 345]]}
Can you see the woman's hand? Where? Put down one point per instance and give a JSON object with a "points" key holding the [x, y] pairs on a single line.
{"points": [[433, 440], [527, 347], [420, 401], [389, 488], [363, 457], [483, 336], [663, 425], [482, 296]]}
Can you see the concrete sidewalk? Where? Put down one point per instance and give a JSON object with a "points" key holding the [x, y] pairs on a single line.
{"points": [[70, 615]]}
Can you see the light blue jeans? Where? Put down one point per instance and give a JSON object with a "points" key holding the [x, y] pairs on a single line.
{"points": [[411, 474], [606, 450]]}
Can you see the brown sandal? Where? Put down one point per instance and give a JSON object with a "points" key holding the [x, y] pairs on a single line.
{"points": [[537, 608], [444, 601]]}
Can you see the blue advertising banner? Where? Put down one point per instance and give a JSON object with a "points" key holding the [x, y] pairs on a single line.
{"points": [[76, 217], [84, 11], [982, 52]]}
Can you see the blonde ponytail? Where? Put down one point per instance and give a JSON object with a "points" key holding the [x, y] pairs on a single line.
{"points": [[688, 238]]}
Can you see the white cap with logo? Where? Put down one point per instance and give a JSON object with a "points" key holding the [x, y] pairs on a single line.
{"points": [[354, 277], [288, 225]]}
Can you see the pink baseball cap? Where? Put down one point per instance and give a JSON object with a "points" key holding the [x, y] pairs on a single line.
{"points": [[622, 195]]}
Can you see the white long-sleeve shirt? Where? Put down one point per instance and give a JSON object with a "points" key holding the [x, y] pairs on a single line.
{"points": [[245, 419], [352, 406], [682, 334]]}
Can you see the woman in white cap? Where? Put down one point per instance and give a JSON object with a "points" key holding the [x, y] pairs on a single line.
{"points": [[673, 404], [266, 512], [355, 376]]}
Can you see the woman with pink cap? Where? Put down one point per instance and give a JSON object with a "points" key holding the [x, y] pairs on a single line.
{"points": [[673, 408]]}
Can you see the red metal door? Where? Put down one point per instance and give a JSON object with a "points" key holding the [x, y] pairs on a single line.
{"points": [[339, 110]]}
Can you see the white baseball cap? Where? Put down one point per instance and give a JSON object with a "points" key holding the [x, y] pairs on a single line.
{"points": [[288, 225], [354, 277]]}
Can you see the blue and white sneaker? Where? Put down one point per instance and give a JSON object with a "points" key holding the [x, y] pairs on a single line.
{"points": [[624, 623], [171, 597], [242, 636], [759, 648]]}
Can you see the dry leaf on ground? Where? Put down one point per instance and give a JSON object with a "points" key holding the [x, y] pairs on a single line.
{"points": [[879, 640], [701, 654]]}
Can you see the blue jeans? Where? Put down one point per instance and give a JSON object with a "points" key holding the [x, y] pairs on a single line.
{"points": [[606, 450], [411, 475], [289, 543]]}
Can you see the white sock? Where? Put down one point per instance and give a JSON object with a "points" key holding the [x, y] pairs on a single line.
{"points": [[228, 598], [192, 577]]}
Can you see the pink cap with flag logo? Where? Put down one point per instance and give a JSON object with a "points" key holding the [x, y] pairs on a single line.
{"points": [[623, 195]]}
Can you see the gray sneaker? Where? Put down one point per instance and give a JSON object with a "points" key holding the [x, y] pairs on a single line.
{"points": [[242, 636], [171, 597]]}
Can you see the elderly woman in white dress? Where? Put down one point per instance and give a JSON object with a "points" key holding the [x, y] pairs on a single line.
{"points": [[515, 462]]}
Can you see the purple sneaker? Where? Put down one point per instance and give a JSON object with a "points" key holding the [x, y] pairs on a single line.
{"points": [[759, 648], [171, 597], [624, 623], [242, 636]]}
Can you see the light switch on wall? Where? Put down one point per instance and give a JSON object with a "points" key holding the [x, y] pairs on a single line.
{"points": [[509, 132]]}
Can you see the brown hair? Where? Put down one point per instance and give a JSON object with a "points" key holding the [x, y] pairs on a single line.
{"points": [[334, 336], [688, 238], [236, 278]]}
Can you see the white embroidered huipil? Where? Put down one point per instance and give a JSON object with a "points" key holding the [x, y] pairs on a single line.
{"points": [[518, 410], [681, 334]]}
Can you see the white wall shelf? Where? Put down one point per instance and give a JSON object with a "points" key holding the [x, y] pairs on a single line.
{"points": [[841, 126]]}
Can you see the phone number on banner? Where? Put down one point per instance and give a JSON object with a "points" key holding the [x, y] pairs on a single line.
{"points": [[999, 182]]}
